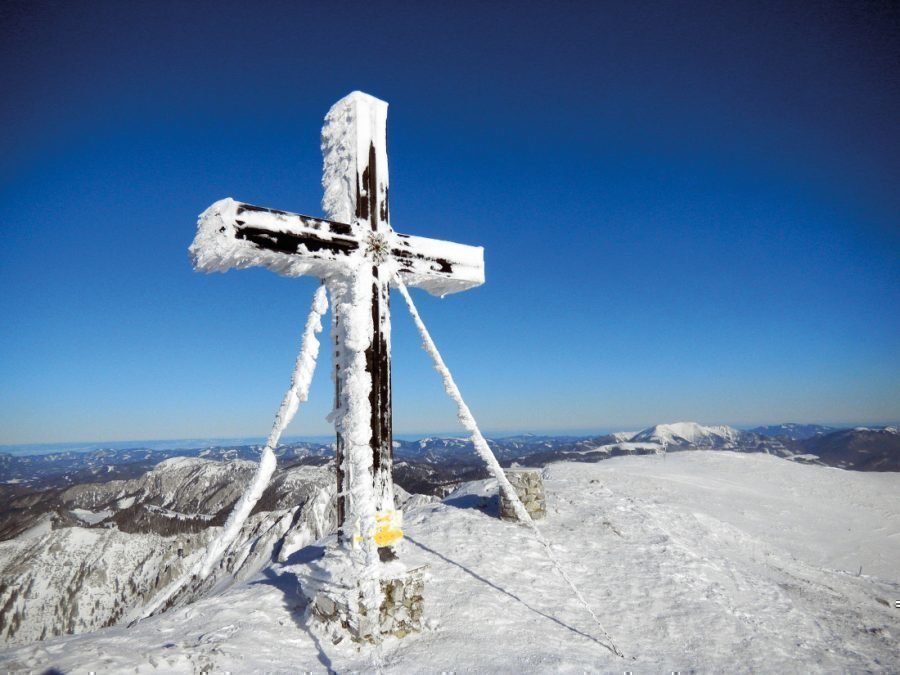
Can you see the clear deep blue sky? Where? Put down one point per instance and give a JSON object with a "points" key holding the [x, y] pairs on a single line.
{"points": [[690, 211]]}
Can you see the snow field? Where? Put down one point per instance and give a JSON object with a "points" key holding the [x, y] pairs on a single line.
{"points": [[717, 562]]}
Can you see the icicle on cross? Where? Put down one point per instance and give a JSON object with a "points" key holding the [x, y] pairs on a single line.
{"points": [[357, 254]]}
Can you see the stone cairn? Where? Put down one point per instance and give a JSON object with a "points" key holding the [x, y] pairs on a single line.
{"points": [[401, 612], [529, 485]]}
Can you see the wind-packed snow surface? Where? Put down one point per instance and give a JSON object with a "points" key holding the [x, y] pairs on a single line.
{"points": [[717, 562]]}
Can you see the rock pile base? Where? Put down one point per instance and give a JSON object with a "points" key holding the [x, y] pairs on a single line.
{"points": [[401, 612], [529, 485]]}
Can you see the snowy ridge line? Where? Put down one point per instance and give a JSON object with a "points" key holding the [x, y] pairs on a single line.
{"points": [[481, 447], [298, 392]]}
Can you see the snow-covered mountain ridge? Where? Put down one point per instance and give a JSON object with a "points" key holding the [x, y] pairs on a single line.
{"points": [[79, 466], [107, 549], [705, 561], [861, 448], [690, 434]]}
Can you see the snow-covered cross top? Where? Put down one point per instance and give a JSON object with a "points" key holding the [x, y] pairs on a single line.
{"points": [[357, 254]]}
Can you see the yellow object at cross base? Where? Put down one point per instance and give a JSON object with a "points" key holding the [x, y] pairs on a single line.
{"points": [[388, 526]]}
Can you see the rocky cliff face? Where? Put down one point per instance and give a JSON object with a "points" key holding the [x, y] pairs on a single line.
{"points": [[100, 552]]}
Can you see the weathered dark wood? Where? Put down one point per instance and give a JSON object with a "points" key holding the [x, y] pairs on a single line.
{"points": [[406, 260], [440, 267], [297, 244], [289, 242], [374, 208], [309, 221], [339, 449]]}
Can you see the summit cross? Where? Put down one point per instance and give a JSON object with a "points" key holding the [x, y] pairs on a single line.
{"points": [[358, 256]]}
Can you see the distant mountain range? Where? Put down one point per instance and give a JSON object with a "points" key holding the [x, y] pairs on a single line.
{"points": [[862, 449], [435, 465], [795, 432], [72, 466]]}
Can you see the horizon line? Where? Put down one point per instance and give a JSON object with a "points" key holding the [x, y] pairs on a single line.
{"points": [[192, 442]]}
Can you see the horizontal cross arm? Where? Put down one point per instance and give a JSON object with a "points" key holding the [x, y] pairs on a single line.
{"points": [[439, 267], [231, 234], [234, 235]]}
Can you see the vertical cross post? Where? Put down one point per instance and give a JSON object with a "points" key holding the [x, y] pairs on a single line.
{"points": [[355, 133]]}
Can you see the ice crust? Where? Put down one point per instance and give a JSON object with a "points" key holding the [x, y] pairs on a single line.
{"points": [[216, 248], [351, 299], [352, 124]]}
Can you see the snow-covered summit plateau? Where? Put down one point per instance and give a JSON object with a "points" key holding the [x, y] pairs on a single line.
{"points": [[692, 561]]}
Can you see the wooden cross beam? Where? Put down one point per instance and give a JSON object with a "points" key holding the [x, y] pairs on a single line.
{"points": [[357, 255], [234, 235]]}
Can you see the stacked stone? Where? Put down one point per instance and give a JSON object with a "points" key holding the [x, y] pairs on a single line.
{"points": [[529, 485], [401, 612]]}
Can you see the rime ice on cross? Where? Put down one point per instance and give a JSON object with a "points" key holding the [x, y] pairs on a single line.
{"points": [[357, 255]]}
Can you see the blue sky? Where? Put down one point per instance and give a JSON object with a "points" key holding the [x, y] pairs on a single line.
{"points": [[690, 211]]}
